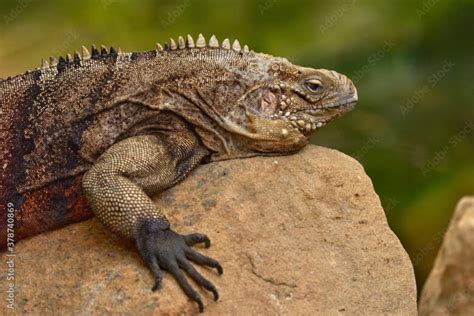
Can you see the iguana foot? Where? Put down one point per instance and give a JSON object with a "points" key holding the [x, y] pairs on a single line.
{"points": [[168, 250]]}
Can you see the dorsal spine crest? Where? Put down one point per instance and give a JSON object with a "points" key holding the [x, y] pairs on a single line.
{"points": [[183, 43]]}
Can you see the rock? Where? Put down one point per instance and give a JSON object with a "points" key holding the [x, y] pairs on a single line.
{"points": [[449, 289], [298, 235]]}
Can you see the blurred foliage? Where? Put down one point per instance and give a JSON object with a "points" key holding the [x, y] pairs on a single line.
{"points": [[412, 62]]}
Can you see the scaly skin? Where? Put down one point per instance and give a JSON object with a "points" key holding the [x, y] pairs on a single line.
{"points": [[129, 125]]}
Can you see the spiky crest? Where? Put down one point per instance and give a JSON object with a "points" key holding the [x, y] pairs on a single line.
{"points": [[183, 43]]}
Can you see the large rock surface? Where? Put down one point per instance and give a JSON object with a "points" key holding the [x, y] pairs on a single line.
{"points": [[297, 235], [449, 290]]}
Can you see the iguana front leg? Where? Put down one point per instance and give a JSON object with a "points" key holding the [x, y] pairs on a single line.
{"points": [[118, 187]]}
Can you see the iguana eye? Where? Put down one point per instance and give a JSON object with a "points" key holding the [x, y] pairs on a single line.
{"points": [[313, 85]]}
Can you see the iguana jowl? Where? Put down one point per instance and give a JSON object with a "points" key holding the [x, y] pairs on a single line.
{"points": [[126, 126]]}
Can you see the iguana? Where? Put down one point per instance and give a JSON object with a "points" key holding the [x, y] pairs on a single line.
{"points": [[104, 131]]}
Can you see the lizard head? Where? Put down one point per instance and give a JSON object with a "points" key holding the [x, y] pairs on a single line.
{"points": [[281, 111]]}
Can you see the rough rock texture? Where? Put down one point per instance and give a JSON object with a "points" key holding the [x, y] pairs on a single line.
{"points": [[449, 289], [297, 235]]}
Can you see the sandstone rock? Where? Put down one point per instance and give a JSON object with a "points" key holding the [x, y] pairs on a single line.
{"points": [[298, 235], [449, 289]]}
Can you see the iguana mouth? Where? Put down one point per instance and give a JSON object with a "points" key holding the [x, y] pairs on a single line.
{"points": [[307, 121], [304, 121]]}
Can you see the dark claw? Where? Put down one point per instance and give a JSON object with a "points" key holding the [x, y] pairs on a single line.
{"points": [[166, 249], [157, 284], [201, 306], [196, 238]]}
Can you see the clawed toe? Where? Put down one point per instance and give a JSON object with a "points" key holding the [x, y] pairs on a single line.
{"points": [[203, 260], [196, 238]]}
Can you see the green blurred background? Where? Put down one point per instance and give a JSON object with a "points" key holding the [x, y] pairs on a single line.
{"points": [[412, 61]]}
